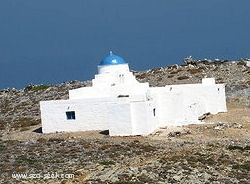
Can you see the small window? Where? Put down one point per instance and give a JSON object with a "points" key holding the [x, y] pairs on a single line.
{"points": [[154, 111], [70, 115]]}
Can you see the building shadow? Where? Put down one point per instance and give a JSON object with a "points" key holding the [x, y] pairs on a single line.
{"points": [[38, 130], [104, 132]]}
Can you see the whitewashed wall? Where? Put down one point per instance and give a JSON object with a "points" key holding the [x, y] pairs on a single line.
{"points": [[90, 115], [212, 96], [113, 78], [171, 109], [247, 63], [199, 99], [131, 118], [183, 104], [99, 108], [104, 69], [216, 99], [120, 123], [143, 120], [89, 92], [133, 90]]}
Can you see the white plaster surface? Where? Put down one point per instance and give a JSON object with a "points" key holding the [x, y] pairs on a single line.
{"points": [[248, 63], [90, 115], [120, 104], [120, 124], [105, 69], [143, 120]]}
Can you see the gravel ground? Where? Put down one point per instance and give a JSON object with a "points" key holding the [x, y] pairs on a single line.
{"points": [[200, 153]]}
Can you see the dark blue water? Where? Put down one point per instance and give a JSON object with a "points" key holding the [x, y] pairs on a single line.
{"points": [[52, 41]]}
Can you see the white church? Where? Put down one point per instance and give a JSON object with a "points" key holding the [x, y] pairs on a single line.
{"points": [[119, 103]]}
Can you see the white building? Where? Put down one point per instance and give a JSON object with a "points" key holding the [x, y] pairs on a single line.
{"points": [[119, 103]]}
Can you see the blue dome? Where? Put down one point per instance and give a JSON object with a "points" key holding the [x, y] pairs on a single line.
{"points": [[112, 60]]}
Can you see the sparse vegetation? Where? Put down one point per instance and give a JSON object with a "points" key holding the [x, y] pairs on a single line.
{"points": [[183, 77], [174, 72], [156, 71], [107, 162], [141, 76], [40, 87], [24, 160], [201, 156], [2, 147], [240, 148], [195, 71], [25, 122], [35, 88], [127, 182], [245, 166], [42, 140]]}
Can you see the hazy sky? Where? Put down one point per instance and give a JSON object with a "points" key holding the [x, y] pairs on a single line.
{"points": [[52, 41]]}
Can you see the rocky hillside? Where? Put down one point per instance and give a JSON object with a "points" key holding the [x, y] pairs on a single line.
{"points": [[20, 108], [215, 152], [234, 74]]}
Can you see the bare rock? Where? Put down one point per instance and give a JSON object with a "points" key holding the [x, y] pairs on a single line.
{"points": [[179, 133]]}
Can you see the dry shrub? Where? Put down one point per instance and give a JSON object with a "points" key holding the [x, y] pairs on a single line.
{"points": [[41, 140], [195, 70], [174, 72], [172, 67], [24, 129], [25, 122], [183, 77], [141, 76], [159, 78], [156, 70], [2, 124]]}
